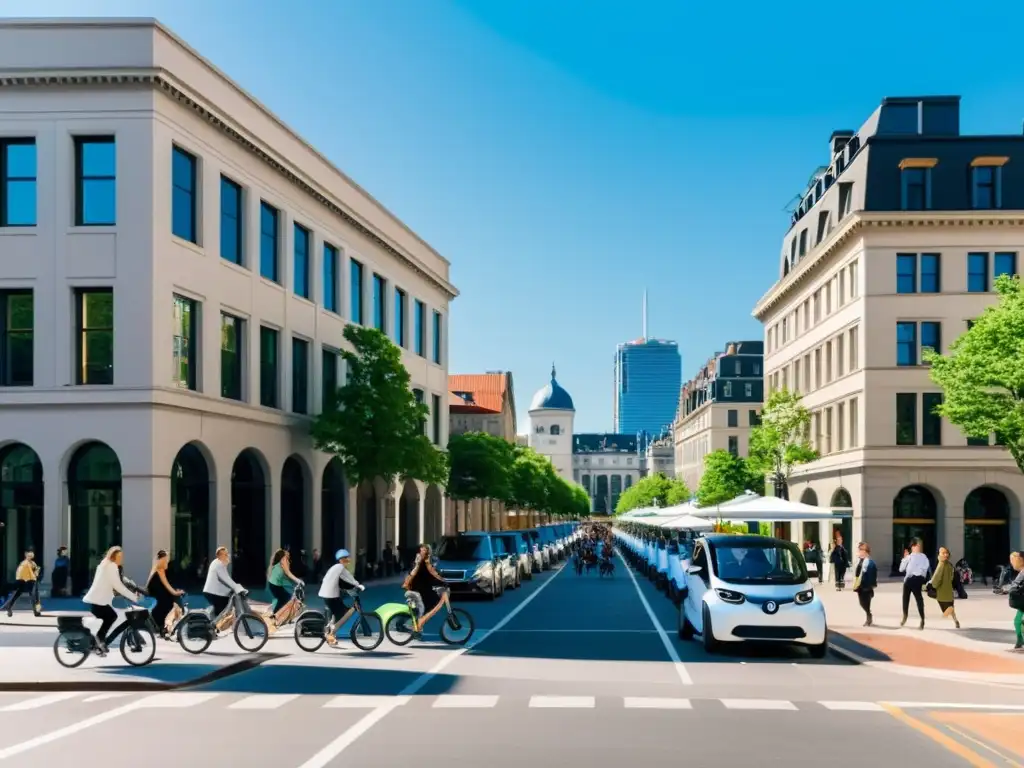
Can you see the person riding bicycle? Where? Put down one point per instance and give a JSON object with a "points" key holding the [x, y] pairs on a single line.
{"points": [[219, 586], [336, 579], [106, 585], [419, 586], [279, 578]]}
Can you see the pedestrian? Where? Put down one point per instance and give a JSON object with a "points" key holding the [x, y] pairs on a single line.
{"points": [[812, 554], [61, 569], [388, 559], [865, 580], [160, 589], [26, 580], [316, 567], [1016, 594], [914, 567], [942, 586], [840, 560]]}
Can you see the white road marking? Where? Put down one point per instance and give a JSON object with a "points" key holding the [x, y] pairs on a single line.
{"points": [[583, 631], [326, 755], [684, 676], [761, 704], [38, 702], [70, 730], [264, 701], [465, 702], [176, 700], [359, 702], [852, 706], [655, 703], [562, 702], [104, 697]]}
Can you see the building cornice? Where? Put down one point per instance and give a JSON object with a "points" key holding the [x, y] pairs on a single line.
{"points": [[168, 85], [862, 222]]}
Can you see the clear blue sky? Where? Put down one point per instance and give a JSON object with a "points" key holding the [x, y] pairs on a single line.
{"points": [[566, 154]]}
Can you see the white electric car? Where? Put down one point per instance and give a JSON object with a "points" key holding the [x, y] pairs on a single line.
{"points": [[751, 588]]}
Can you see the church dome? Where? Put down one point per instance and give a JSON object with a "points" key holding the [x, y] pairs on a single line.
{"points": [[552, 397]]}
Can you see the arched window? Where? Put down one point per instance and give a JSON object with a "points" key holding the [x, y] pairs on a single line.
{"points": [[555, 429]]}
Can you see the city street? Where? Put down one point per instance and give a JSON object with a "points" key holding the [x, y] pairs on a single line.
{"points": [[567, 670]]}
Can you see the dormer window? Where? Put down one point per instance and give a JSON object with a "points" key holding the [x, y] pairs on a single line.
{"points": [[986, 182], [916, 183], [803, 242]]}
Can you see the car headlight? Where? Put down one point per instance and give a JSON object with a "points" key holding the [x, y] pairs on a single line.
{"points": [[728, 596], [482, 570], [805, 597]]}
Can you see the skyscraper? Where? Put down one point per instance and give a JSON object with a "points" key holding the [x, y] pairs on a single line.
{"points": [[648, 374]]}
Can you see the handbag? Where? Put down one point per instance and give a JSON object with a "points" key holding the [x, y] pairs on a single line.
{"points": [[932, 593], [1017, 600]]}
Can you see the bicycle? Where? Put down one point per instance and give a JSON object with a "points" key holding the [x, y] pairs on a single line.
{"points": [[312, 627], [202, 627], [399, 632], [296, 605], [78, 642]]}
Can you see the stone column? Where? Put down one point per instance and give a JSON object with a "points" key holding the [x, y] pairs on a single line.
{"points": [[315, 522], [421, 514], [222, 534], [274, 506], [56, 522], [146, 521]]}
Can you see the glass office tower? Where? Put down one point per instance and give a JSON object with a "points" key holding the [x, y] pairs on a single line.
{"points": [[648, 374]]}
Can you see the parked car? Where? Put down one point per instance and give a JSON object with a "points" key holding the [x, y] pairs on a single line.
{"points": [[550, 542], [541, 554], [470, 565], [751, 588], [516, 544], [508, 561]]}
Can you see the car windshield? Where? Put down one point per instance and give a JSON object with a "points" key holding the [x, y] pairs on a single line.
{"points": [[455, 548], [534, 536], [759, 564]]}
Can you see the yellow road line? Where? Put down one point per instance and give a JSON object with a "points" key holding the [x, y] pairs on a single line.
{"points": [[1010, 762], [973, 758]]}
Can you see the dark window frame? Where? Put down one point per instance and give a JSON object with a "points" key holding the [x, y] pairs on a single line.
{"points": [[192, 356], [991, 188], [905, 275], [908, 346], [82, 331], [270, 238], [233, 222], [734, 445], [80, 178], [232, 360], [903, 430], [419, 328], [974, 258], [732, 418], [6, 180], [401, 310], [997, 257], [303, 236], [930, 325], [190, 191], [330, 278], [914, 181], [357, 275], [270, 371], [300, 375], [931, 422], [380, 303], [930, 280], [435, 414], [329, 386], [436, 340], [7, 368]]}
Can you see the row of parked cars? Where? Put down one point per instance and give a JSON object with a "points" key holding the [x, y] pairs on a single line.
{"points": [[489, 562]]}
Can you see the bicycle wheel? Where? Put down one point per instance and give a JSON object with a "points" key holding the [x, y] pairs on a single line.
{"points": [[195, 633], [71, 650], [399, 629], [309, 631], [251, 632], [138, 646], [458, 627], [367, 632]]}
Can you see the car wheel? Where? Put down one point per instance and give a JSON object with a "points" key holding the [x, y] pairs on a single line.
{"points": [[708, 634], [494, 589], [685, 627], [819, 651]]}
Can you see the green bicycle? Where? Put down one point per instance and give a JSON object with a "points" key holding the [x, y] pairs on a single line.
{"points": [[403, 625]]}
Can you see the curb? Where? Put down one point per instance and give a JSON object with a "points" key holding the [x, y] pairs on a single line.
{"points": [[127, 686], [846, 654]]}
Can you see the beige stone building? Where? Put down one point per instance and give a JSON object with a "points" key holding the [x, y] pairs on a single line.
{"points": [[893, 248]]}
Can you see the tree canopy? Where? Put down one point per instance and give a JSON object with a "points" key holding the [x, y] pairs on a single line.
{"points": [[780, 441], [726, 477], [479, 466], [648, 490], [982, 376], [373, 423], [535, 485]]}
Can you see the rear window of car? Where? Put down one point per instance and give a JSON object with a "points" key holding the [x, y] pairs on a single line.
{"points": [[456, 548]]}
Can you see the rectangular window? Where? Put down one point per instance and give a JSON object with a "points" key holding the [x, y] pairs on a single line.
{"points": [[329, 379], [840, 360], [906, 418], [183, 195], [748, 390], [931, 282], [269, 355], [380, 302], [841, 292], [854, 285], [186, 352], [269, 247], [985, 187], [301, 258], [854, 425], [733, 418], [906, 344], [17, 182], [95, 181], [976, 442], [1005, 264], [418, 394], [931, 336], [915, 194], [817, 368], [970, 324], [401, 303], [300, 376], [734, 445], [356, 288], [331, 278], [828, 362], [437, 338], [796, 376], [840, 425], [232, 342], [977, 272], [753, 418], [94, 332], [435, 412], [906, 273], [854, 352], [17, 339], [931, 422], [828, 431], [231, 219], [816, 300]]}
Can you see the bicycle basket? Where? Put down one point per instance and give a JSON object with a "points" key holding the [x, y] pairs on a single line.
{"points": [[312, 626], [70, 624], [196, 626]]}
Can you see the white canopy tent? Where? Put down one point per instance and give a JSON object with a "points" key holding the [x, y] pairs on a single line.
{"points": [[751, 508], [687, 523]]}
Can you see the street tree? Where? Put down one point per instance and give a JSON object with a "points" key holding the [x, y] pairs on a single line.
{"points": [[528, 480], [479, 465], [653, 490], [982, 376], [373, 423], [725, 477], [582, 502], [780, 441]]}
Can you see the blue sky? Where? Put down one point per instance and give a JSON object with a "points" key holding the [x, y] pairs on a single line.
{"points": [[566, 154]]}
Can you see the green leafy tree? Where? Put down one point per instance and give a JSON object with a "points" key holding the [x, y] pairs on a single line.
{"points": [[725, 477], [478, 467], [982, 377], [527, 480], [373, 423], [678, 493], [648, 490], [582, 502], [780, 441]]}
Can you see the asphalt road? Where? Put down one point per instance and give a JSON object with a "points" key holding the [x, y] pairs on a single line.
{"points": [[566, 671]]}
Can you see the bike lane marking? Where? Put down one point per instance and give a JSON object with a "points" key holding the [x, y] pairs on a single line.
{"points": [[352, 734], [673, 654]]}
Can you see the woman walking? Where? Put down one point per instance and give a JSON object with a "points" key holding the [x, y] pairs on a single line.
{"points": [[865, 579], [1016, 593], [26, 580], [914, 567], [160, 589], [942, 587]]}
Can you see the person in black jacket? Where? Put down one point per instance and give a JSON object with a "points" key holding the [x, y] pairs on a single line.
{"points": [[840, 560], [865, 579]]}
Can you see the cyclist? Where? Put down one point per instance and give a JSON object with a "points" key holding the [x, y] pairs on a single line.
{"points": [[219, 585], [279, 577], [106, 585], [160, 589], [419, 586], [334, 580]]}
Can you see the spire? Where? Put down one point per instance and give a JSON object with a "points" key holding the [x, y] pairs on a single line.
{"points": [[645, 314], [552, 371]]}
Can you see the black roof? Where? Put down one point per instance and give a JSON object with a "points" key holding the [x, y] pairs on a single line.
{"points": [[744, 540]]}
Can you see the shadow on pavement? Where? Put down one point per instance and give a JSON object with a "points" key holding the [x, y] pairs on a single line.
{"points": [[339, 681], [1002, 636], [865, 652]]}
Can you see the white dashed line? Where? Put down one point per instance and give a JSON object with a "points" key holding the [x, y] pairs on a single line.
{"points": [[760, 704], [642, 703]]}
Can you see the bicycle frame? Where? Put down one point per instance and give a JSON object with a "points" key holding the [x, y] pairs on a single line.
{"points": [[445, 600]]}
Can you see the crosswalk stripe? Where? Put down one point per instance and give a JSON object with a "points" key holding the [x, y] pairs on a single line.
{"points": [[852, 706], [359, 702], [37, 702], [176, 700], [465, 702], [764, 704], [656, 703], [264, 701], [104, 697], [562, 702]]}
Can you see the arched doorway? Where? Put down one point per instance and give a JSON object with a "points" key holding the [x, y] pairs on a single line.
{"points": [[293, 507], [433, 515], [21, 508], [810, 530], [986, 530], [190, 516], [842, 504], [333, 498], [249, 519], [94, 494], [616, 491], [914, 513], [408, 522], [601, 495]]}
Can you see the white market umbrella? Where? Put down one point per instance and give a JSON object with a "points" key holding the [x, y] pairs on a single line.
{"points": [[687, 523], [753, 508]]}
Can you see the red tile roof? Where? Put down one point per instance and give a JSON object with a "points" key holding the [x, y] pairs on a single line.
{"points": [[488, 391]]}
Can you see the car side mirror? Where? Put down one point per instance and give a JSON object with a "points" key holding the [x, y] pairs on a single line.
{"points": [[694, 570]]}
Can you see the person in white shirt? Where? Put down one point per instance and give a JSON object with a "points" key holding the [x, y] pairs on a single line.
{"points": [[336, 578], [219, 586], [914, 567], [106, 585]]}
